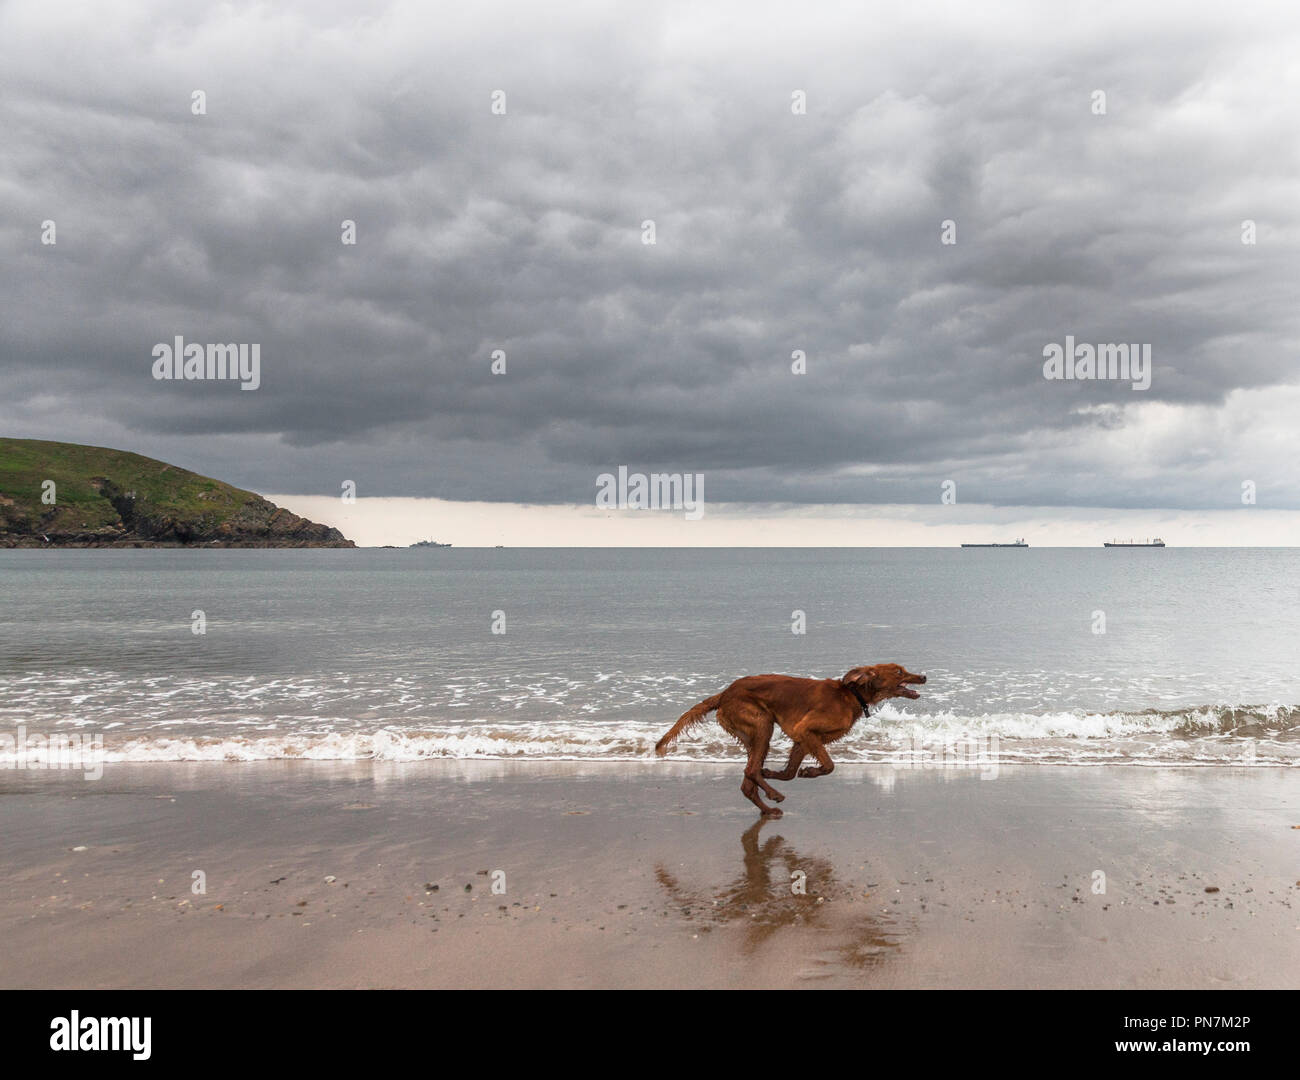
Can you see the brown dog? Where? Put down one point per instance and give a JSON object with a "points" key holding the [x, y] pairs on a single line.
{"points": [[813, 712]]}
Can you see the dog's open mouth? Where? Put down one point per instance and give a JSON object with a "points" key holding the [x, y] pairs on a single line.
{"points": [[906, 691]]}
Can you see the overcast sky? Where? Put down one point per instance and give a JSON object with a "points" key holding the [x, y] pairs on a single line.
{"points": [[775, 231]]}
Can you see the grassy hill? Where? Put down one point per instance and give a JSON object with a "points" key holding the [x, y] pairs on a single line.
{"points": [[112, 498]]}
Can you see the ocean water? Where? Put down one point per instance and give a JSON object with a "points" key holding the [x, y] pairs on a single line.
{"points": [[391, 653]]}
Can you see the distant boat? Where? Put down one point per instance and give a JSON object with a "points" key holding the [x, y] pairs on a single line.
{"points": [[1157, 542], [429, 543], [1018, 543]]}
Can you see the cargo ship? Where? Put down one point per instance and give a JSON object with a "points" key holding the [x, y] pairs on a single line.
{"points": [[1157, 542], [1018, 543]]}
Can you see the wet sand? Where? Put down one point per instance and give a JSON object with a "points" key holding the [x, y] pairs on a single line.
{"points": [[647, 875]]}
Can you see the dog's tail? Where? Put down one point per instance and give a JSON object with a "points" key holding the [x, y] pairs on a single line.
{"points": [[689, 718]]}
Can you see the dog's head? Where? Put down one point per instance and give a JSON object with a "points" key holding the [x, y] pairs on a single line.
{"points": [[879, 682]]}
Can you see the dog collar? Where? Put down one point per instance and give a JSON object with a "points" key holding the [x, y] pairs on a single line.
{"points": [[861, 701]]}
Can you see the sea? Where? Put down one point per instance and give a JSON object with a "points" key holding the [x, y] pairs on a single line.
{"points": [[1056, 656]]}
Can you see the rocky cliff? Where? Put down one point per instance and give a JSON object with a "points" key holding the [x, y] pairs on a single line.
{"points": [[55, 494]]}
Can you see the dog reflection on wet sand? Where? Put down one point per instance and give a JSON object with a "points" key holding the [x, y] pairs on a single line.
{"points": [[762, 899]]}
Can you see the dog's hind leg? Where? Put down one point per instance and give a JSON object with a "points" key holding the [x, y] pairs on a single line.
{"points": [[749, 787], [754, 767], [752, 726], [791, 770]]}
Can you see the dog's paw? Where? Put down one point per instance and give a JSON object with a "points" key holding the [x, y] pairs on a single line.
{"points": [[810, 770], [776, 796], [773, 812]]}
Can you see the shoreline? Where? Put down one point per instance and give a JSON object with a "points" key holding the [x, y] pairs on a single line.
{"points": [[616, 876], [644, 760]]}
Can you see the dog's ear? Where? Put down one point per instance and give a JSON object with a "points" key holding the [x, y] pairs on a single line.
{"points": [[859, 676]]}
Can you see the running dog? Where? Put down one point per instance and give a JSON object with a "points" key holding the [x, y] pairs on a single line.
{"points": [[813, 712]]}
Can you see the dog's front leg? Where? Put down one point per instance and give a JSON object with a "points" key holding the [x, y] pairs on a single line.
{"points": [[817, 748]]}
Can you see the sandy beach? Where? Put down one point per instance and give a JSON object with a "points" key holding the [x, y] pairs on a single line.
{"points": [[647, 875]]}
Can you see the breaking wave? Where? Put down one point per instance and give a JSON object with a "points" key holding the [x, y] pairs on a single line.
{"points": [[1243, 735]]}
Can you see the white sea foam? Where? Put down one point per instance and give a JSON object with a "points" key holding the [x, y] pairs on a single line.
{"points": [[609, 714], [1210, 735]]}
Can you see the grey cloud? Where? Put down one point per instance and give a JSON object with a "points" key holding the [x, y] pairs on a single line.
{"points": [[775, 232]]}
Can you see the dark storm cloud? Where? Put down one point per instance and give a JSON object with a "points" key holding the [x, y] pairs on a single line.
{"points": [[775, 232]]}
